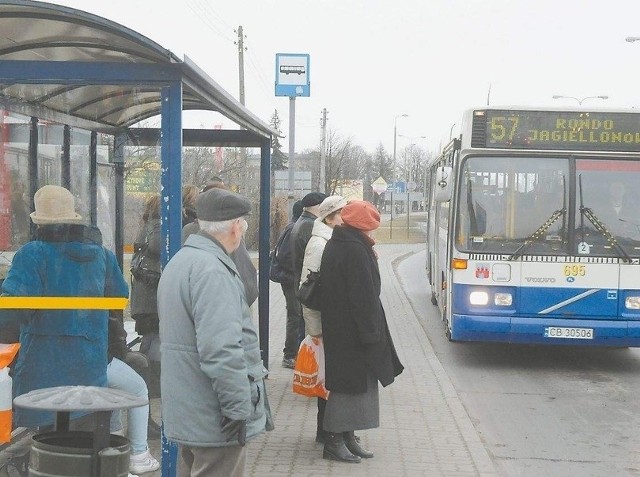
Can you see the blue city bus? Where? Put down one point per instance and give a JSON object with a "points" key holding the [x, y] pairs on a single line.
{"points": [[534, 227]]}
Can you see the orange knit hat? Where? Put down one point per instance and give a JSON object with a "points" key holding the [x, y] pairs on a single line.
{"points": [[361, 215]]}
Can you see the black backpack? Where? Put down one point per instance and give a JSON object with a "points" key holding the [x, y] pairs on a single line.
{"points": [[281, 267]]}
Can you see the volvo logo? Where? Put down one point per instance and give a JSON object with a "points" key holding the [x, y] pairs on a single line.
{"points": [[540, 280]]}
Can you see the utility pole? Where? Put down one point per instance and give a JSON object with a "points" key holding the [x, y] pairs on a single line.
{"points": [[243, 152], [241, 49], [323, 151]]}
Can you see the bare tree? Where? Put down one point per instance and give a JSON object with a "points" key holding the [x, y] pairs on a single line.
{"points": [[344, 160], [416, 160], [198, 165]]}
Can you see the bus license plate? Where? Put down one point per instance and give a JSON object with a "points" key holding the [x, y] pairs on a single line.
{"points": [[571, 333]]}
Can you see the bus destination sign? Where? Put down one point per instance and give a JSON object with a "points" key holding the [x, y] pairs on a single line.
{"points": [[566, 130]]}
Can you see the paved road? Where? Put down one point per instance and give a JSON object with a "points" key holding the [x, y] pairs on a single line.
{"points": [[540, 410]]}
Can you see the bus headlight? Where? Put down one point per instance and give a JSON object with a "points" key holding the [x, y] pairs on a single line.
{"points": [[632, 302], [503, 299], [478, 298]]}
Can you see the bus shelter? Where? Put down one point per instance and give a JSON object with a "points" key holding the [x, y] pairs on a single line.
{"points": [[73, 86]]}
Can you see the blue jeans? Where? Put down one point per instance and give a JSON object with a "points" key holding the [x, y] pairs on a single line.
{"points": [[122, 377]]}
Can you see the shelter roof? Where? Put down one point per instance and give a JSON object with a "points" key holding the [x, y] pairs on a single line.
{"points": [[32, 31]]}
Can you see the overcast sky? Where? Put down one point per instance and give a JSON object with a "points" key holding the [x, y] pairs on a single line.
{"points": [[372, 60]]}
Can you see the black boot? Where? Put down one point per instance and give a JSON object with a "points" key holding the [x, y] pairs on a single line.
{"points": [[152, 379], [335, 449], [351, 442], [321, 434]]}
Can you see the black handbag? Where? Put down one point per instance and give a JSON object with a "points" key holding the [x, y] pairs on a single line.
{"points": [[143, 267], [309, 291]]}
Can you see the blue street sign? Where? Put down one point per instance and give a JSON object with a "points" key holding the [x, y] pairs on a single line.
{"points": [[292, 74]]}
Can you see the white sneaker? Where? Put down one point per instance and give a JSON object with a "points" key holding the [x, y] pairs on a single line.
{"points": [[144, 462]]}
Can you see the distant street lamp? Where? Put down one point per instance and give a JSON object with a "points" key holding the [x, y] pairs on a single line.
{"points": [[408, 166], [393, 180], [579, 100]]}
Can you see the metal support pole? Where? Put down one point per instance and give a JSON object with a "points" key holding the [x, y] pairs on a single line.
{"points": [[65, 163], [264, 248], [393, 180], [93, 178], [292, 147], [323, 153], [118, 159], [395, 138], [34, 173], [170, 210], [408, 209], [409, 166]]}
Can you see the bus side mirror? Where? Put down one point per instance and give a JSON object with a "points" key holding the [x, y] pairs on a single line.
{"points": [[443, 184]]}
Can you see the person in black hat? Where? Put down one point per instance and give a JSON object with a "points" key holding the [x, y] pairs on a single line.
{"points": [[281, 271], [213, 394], [300, 235]]}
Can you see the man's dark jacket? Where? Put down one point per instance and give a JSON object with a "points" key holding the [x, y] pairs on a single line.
{"points": [[281, 268], [354, 327]]}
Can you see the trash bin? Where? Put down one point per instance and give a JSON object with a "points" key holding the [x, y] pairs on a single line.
{"points": [[69, 454], [79, 453]]}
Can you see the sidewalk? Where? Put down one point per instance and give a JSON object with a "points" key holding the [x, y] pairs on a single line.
{"points": [[424, 428]]}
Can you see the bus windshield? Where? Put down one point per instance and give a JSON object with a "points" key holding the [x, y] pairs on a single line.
{"points": [[607, 207], [509, 204]]}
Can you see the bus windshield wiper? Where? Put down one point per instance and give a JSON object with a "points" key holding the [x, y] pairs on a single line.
{"points": [[539, 233], [535, 236], [600, 227]]}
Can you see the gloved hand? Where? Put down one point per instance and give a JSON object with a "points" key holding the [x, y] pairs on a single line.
{"points": [[234, 429]]}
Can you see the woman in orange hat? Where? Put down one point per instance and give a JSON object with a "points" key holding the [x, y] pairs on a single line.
{"points": [[359, 351]]}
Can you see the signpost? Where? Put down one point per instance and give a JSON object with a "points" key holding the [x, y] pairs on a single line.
{"points": [[292, 79], [411, 186], [292, 75]]}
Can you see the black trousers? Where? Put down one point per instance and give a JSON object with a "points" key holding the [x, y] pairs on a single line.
{"points": [[294, 322]]}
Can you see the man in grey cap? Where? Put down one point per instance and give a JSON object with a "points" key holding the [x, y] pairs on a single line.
{"points": [[300, 235], [212, 374], [240, 256]]}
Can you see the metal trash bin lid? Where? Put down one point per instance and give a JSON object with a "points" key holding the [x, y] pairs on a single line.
{"points": [[78, 398]]}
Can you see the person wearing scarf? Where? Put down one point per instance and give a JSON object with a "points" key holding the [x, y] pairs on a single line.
{"points": [[359, 351]]}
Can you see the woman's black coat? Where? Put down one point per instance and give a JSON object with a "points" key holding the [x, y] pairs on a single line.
{"points": [[354, 327]]}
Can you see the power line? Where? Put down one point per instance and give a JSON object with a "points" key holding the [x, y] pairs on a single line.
{"points": [[257, 67], [261, 79], [213, 12], [204, 17]]}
